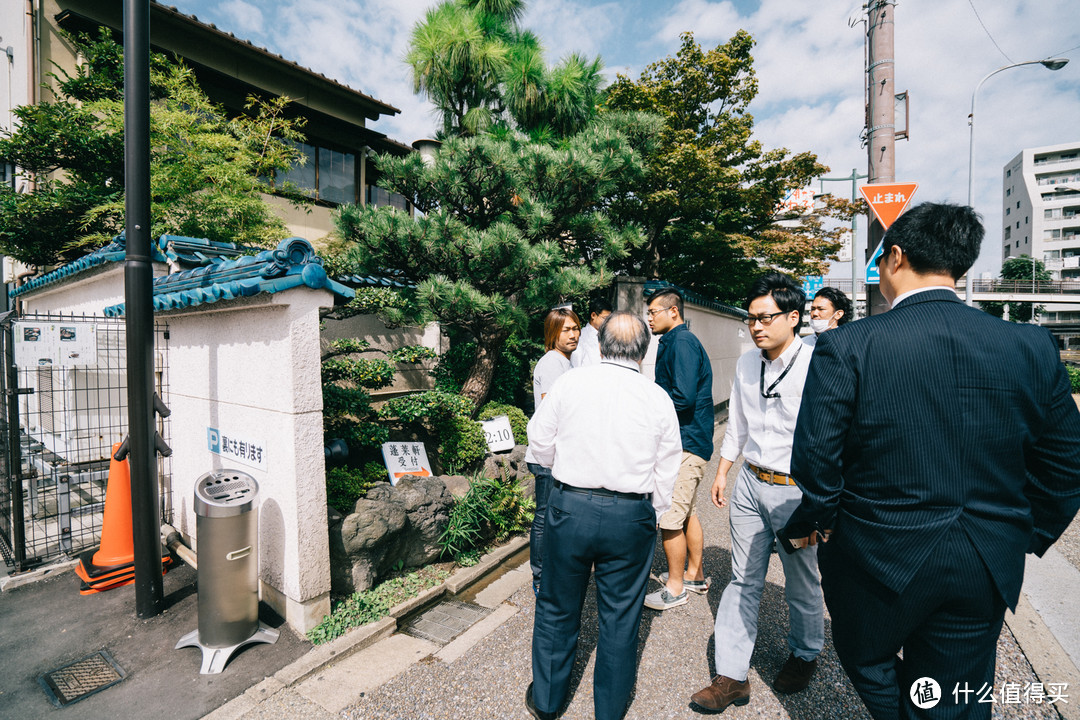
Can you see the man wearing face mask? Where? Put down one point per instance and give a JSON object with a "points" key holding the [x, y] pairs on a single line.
{"points": [[830, 309]]}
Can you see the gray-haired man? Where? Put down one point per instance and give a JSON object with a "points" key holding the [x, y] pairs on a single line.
{"points": [[611, 439]]}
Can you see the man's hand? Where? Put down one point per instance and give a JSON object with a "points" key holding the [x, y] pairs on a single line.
{"points": [[815, 536], [720, 484]]}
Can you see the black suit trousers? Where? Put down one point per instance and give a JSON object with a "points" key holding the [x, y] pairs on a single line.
{"points": [[617, 537], [946, 621]]}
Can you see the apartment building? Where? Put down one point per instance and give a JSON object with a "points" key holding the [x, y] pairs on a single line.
{"points": [[1041, 215]]}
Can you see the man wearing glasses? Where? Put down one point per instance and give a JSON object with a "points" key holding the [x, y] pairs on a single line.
{"points": [[765, 399], [683, 370]]}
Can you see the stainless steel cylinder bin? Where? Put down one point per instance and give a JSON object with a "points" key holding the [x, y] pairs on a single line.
{"points": [[227, 528]]}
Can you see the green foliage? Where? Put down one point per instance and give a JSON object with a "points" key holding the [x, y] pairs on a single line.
{"points": [[709, 200], [482, 71], [511, 381], [492, 510], [1025, 273], [344, 485], [433, 407], [1074, 378], [206, 168], [507, 228], [462, 442], [518, 422], [370, 605]]}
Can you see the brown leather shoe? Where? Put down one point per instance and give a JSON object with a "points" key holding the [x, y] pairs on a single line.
{"points": [[722, 692], [795, 675]]}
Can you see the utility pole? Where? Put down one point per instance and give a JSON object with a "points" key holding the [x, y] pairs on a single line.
{"points": [[881, 122]]}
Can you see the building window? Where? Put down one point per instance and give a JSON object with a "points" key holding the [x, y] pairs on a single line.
{"points": [[327, 175], [1017, 224], [1008, 173], [378, 197], [1026, 219], [1007, 249], [1008, 233], [1017, 204], [1008, 211], [1051, 234], [1008, 192]]}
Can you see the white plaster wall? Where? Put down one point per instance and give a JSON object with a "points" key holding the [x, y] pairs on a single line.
{"points": [[251, 367], [723, 336], [87, 293]]}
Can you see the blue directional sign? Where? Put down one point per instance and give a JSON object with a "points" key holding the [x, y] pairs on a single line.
{"points": [[872, 276], [812, 283]]}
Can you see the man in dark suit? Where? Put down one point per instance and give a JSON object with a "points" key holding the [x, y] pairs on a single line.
{"points": [[935, 446]]}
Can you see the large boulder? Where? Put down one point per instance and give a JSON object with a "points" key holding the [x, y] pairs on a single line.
{"points": [[392, 525]]}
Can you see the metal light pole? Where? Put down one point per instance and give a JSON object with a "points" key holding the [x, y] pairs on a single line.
{"points": [[139, 309], [1049, 64], [854, 177]]}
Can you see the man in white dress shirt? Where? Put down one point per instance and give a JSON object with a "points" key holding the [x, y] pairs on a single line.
{"points": [[611, 438], [588, 348], [765, 399]]}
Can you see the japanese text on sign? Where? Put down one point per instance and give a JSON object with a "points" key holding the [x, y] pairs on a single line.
{"points": [[239, 448], [405, 458]]}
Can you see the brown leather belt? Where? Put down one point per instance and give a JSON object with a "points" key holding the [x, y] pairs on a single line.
{"points": [[769, 476]]}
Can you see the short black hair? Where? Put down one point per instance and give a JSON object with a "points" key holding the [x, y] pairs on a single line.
{"points": [[839, 300], [599, 306], [937, 238], [785, 292], [671, 296]]}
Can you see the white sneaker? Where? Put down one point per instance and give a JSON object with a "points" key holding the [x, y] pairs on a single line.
{"points": [[662, 599]]}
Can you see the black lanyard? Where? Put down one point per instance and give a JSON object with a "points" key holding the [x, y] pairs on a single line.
{"points": [[768, 394]]}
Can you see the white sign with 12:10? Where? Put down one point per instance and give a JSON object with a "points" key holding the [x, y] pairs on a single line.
{"points": [[498, 434]]}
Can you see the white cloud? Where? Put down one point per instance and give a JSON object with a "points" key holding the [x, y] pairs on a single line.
{"points": [[566, 26], [244, 18]]}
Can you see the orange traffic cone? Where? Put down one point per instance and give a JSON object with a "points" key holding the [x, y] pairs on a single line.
{"points": [[113, 563]]}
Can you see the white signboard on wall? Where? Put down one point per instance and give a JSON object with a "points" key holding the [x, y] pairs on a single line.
{"points": [[405, 458], [498, 434], [59, 344], [238, 447]]}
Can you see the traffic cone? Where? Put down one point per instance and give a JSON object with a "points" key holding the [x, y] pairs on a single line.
{"points": [[113, 563]]}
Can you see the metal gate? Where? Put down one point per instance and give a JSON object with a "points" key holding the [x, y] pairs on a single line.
{"points": [[63, 406]]}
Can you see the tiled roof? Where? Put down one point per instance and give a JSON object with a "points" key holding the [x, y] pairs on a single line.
{"points": [[292, 264], [376, 281], [652, 286], [113, 252]]}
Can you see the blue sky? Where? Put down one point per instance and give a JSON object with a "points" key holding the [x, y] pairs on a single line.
{"points": [[809, 64]]}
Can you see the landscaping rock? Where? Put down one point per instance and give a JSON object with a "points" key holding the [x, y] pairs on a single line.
{"points": [[456, 485], [391, 526]]}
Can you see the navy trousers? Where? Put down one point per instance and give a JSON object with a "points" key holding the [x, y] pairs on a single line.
{"points": [[617, 537], [536, 534], [947, 621]]}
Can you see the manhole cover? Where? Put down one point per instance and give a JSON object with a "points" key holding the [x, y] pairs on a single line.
{"points": [[445, 621], [81, 678]]}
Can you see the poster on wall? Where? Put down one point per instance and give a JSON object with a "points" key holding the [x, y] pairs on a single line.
{"points": [[59, 344]]}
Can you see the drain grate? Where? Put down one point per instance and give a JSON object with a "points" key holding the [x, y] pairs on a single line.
{"points": [[81, 678], [445, 621]]}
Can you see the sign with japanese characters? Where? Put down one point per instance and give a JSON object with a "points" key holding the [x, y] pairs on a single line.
{"points": [[237, 447], [797, 201], [888, 200], [59, 344], [498, 434], [405, 458]]}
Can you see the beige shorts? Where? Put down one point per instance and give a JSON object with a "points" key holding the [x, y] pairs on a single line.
{"points": [[684, 497]]}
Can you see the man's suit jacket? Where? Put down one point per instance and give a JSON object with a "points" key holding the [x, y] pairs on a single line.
{"points": [[931, 415]]}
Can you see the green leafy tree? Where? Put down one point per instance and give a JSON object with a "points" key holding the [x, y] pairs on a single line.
{"points": [[708, 204], [481, 70], [507, 228], [1024, 273], [207, 169]]}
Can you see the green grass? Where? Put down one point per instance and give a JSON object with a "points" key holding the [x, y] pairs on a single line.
{"points": [[370, 605]]}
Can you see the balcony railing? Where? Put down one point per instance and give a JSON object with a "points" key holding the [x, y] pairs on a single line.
{"points": [[1043, 287]]}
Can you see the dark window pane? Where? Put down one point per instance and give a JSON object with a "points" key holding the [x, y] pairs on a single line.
{"points": [[302, 176], [337, 176]]}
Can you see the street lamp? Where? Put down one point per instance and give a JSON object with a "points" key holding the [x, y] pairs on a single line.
{"points": [[1049, 64]]}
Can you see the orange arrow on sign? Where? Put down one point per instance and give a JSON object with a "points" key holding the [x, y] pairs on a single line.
{"points": [[888, 200]]}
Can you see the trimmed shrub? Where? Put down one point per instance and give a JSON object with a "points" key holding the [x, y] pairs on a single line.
{"points": [[463, 443]]}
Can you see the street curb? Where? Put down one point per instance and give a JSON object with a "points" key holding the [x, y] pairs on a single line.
{"points": [[1048, 659], [467, 576], [362, 637], [13, 581]]}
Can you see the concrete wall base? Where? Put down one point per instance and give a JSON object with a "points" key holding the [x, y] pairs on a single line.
{"points": [[301, 615]]}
